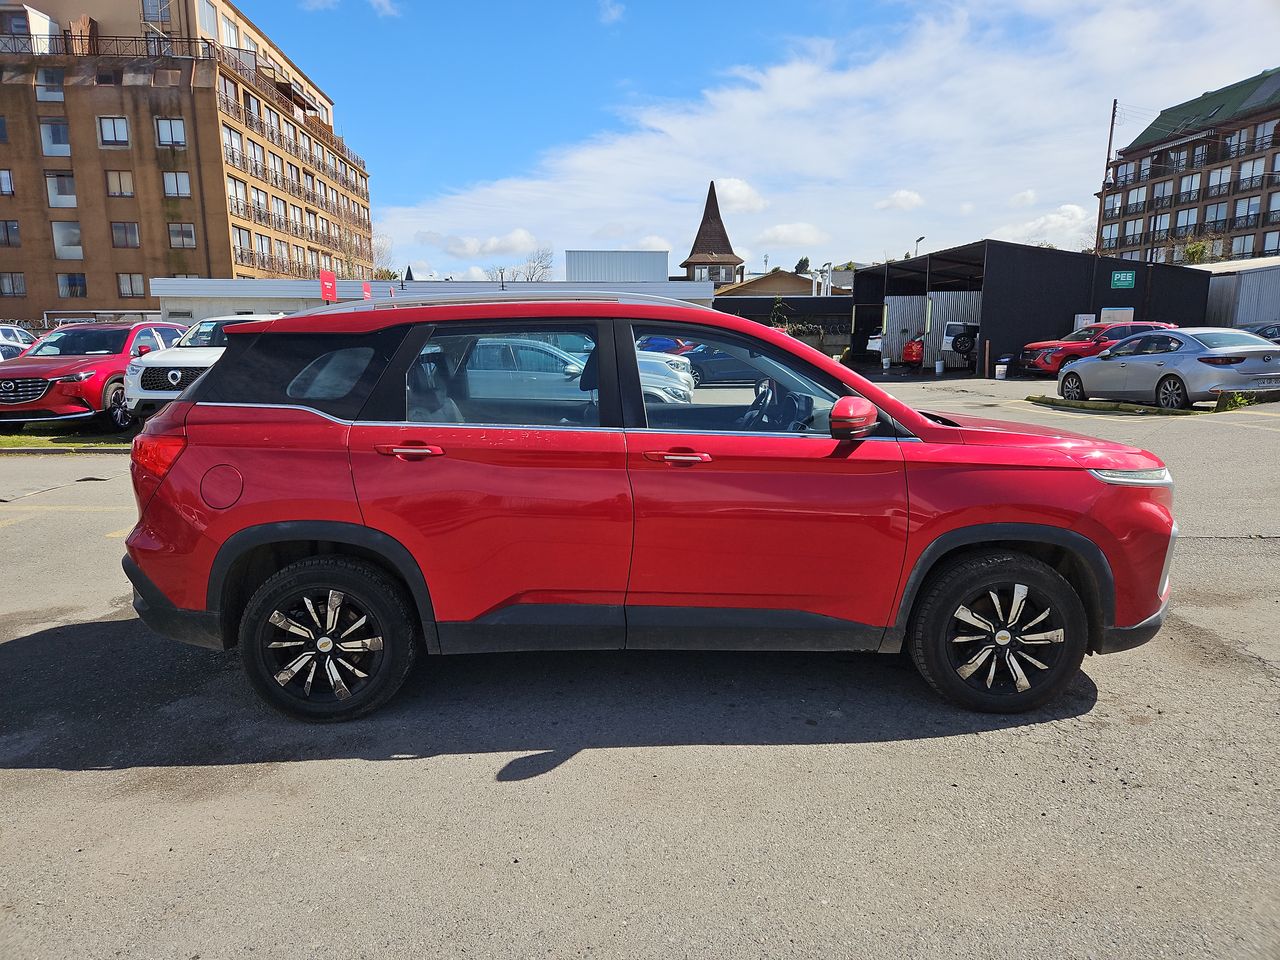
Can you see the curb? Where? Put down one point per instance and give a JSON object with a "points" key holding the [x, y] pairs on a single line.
{"points": [[1135, 409], [17, 451]]}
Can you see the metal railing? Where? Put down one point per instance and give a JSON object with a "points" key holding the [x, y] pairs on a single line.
{"points": [[1185, 230], [1110, 243], [351, 245], [1189, 196], [1245, 184], [1247, 222], [1214, 226], [1164, 202], [1157, 236], [251, 165], [1273, 217], [1218, 189], [1110, 213], [1137, 207]]}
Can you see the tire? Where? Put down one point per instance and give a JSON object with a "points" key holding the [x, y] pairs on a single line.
{"points": [[1073, 388], [382, 646], [962, 345], [1171, 394], [697, 376], [1071, 359], [113, 408], [1047, 658]]}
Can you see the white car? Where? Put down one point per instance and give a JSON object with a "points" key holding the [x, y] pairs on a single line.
{"points": [[13, 340], [152, 380]]}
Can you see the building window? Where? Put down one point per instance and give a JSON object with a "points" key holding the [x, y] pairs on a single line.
{"points": [[1124, 174], [182, 235], [209, 19], [251, 104], [282, 250], [262, 244], [9, 234], [1186, 221], [177, 183], [1178, 159], [259, 198], [6, 183], [13, 285], [1219, 181], [72, 285], [119, 183], [1242, 246], [1267, 134], [66, 240], [130, 285], [125, 235], [61, 187], [232, 140], [55, 137], [49, 84], [1251, 172], [1132, 230], [1215, 216], [230, 33], [109, 78], [241, 239], [4, 130], [171, 132], [258, 156], [113, 131], [1271, 243]]}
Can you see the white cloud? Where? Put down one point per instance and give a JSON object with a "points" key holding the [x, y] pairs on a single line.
{"points": [[611, 11], [738, 196], [900, 200], [385, 8], [318, 4], [793, 235], [517, 242], [653, 242], [1024, 198], [795, 130]]}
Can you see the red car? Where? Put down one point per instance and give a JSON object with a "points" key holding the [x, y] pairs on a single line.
{"points": [[345, 491], [1050, 356], [77, 371]]}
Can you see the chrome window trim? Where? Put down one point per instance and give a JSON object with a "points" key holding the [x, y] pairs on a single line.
{"points": [[754, 433]]}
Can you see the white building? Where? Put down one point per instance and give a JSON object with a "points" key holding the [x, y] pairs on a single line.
{"points": [[616, 266]]}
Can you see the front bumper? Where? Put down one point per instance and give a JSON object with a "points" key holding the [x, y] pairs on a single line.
{"points": [[198, 627], [1115, 639]]}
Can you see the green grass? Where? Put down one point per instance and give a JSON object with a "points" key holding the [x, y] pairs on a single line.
{"points": [[62, 437]]}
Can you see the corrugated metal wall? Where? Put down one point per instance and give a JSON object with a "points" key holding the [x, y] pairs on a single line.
{"points": [[1258, 296], [615, 266], [1221, 309], [908, 313]]}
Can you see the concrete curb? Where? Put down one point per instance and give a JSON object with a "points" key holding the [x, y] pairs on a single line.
{"points": [[16, 451], [1111, 406]]}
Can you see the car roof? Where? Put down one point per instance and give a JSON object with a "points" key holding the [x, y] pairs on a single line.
{"points": [[113, 326]]}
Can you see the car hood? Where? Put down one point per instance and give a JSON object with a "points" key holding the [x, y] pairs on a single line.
{"points": [[49, 367], [1050, 344], [182, 357], [1075, 448]]}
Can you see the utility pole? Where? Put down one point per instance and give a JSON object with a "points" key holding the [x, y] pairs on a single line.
{"points": [[1106, 169]]}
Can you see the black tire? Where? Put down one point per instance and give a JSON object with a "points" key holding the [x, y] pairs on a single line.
{"points": [[309, 692], [697, 376], [959, 671], [113, 408], [1071, 359], [1073, 388], [962, 344], [1171, 394]]}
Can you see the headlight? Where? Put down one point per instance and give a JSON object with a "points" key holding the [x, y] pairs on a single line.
{"points": [[133, 369], [1136, 478], [73, 377], [676, 394]]}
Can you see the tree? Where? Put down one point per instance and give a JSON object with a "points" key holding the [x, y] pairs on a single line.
{"points": [[383, 252], [802, 265], [536, 266]]}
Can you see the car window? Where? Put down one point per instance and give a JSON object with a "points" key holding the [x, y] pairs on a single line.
{"points": [[1081, 335], [145, 338], [1119, 333], [1128, 348], [1159, 343], [506, 376], [1231, 338], [168, 335], [738, 384]]}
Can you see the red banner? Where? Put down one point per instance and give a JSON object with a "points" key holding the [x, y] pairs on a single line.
{"points": [[368, 290], [328, 286]]}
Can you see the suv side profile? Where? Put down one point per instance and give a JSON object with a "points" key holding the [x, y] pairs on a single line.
{"points": [[1050, 356], [335, 499]]}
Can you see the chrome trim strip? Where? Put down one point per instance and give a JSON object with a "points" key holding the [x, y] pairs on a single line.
{"points": [[64, 416], [275, 406]]}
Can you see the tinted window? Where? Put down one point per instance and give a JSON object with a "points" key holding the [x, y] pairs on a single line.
{"points": [[506, 376], [1159, 343], [206, 333], [145, 338], [1084, 333], [1128, 348], [81, 342], [330, 372], [1232, 338]]}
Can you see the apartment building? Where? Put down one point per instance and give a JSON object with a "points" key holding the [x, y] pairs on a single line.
{"points": [[149, 138], [1201, 182]]}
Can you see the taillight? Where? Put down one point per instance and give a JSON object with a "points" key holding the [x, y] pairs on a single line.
{"points": [[156, 454], [157, 448], [1221, 361]]}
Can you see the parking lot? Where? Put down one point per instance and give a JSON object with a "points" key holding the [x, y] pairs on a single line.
{"points": [[647, 804]]}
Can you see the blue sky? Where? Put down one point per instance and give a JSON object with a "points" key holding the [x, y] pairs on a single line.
{"points": [[835, 130]]}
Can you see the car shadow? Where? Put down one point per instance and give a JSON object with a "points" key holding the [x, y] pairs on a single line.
{"points": [[111, 695]]}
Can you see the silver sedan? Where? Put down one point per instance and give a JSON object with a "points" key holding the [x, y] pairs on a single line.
{"points": [[1175, 368]]}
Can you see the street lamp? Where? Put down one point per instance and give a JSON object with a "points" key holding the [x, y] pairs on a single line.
{"points": [[918, 239]]}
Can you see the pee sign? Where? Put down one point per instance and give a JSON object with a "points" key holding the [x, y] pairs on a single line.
{"points": [[1123, 279], [328, 286]]}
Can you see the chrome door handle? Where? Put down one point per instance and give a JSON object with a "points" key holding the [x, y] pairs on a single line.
{"points": [[408, 452], [1159, 363], [672, 456], [1122, 363]]}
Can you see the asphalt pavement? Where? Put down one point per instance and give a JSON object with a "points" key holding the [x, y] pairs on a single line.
{"points": [[646, 804]]}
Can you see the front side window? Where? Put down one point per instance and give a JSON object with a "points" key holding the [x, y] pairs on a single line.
{"points": [[507, 376], [1126, 349], [113, 131], [145, 338]]}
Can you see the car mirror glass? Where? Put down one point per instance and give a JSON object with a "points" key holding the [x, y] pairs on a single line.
{"points": [[572, 371]]}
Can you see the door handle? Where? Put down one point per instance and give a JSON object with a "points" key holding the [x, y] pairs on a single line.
{"points": [[418, 451], [1159, 363], [1122, 363], [674, 456]]}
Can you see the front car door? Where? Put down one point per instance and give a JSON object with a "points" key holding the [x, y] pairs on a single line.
{"points": [[1106, 376], [1151, 360], [516, 506], [754, 527]]}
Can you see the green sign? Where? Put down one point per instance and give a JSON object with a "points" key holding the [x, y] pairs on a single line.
{"points": [[1122, 279]]}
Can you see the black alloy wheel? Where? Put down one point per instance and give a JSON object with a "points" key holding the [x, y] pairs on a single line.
{"points": [[117, 413]]}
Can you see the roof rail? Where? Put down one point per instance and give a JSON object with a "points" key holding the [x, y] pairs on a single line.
{"points": [[507, 296]]}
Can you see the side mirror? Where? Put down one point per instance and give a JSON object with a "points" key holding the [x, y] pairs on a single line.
{"points": [[853, 418], [572, 371], [143, 350], [1105, 354]]}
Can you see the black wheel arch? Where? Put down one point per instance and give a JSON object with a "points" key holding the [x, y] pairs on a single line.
{"points": [[1073, 555], [253, 554]]}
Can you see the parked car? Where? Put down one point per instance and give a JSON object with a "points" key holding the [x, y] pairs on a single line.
{"points": [[666, 344], [1268, 331], [14, 340], [913, 352], [10, 351], [960, 338], [1050, 356], [1176, 369], [711, 365], [77, 371], [340, 495], [660, 365], [153, 379]]}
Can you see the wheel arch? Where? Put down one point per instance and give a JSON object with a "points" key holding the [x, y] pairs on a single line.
{"points": [[1076, 557], [252, 555]]}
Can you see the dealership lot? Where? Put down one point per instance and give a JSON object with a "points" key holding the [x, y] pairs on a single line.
{"points": [[647, 804]]}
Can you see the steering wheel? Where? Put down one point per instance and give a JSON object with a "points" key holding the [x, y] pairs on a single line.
{"points": [[754, 418]]}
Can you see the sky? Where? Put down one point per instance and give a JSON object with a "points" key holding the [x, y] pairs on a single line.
{"points": [[834, 129]]}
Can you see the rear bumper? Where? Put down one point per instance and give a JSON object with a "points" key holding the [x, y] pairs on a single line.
{"points": [[198, 627]]}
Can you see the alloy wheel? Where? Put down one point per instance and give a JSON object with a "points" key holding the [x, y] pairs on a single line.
{"points": [[1005, 640], [1171, 394], [325, 646], [120, 416], [1072, 387], [697, 376]]}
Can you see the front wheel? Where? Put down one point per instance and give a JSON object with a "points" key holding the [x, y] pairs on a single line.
{"points": [[696, 372], [327, 639], [1171, 394], [1073, 387], [113, 404], [999, 632]]}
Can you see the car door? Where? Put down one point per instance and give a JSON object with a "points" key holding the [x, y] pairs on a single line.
{"points": [[1150, 360], [1106, 377], [517, 507], [754, 527]]}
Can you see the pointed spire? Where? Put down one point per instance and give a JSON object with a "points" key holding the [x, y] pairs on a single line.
{"points": [[711, 245]]}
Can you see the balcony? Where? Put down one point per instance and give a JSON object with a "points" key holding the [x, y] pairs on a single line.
{"points": [[1110, 213], [1240, 149], [1273, 217], [246, 257], [1248, 222], [1163, 203], [351, 245], [1218, 189], [1216, 226], [1159, 236], [247, 164], [1110, 243], [1124, 181], [1131, 208], [1245, 184], [1185, 230], [1189, 196], [1264, 143], [1144, 175], [1132, 239]]}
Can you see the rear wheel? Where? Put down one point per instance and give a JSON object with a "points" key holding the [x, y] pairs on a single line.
{"points": [[999, 632], [1073, 387], [327, 639], [1171, 394]]}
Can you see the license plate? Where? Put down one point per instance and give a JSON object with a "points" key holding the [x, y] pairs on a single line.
{"points": [[1267, 383]]}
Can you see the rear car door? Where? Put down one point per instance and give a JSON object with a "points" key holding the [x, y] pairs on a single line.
{"points": [[515, 504], [754, 527]]}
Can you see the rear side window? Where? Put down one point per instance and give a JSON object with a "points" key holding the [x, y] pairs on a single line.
{"points": [[332, 373]]}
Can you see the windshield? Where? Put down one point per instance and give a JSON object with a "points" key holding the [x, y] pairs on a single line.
{"points": [[206, 333], [1232, 338], [81, 343], [1084, 333]]}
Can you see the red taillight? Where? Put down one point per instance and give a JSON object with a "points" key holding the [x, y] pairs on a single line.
{"points": [[157, 448], [156, 454], [1221, 361]]}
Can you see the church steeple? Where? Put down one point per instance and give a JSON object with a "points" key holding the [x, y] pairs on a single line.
{"points": [[712, 256]]}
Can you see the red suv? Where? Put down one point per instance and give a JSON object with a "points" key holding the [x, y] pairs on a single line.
{"points": [[77, 371], [1050, 356], [348, 489]]}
